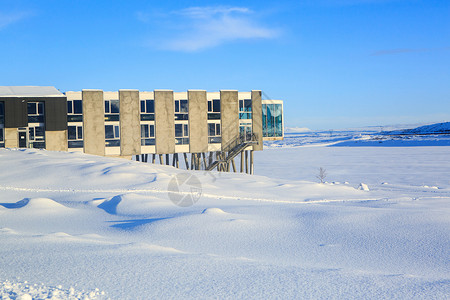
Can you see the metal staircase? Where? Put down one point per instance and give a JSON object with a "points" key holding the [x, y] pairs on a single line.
{"points": [[241, 143]]}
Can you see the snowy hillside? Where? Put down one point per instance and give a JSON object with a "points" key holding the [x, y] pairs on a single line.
{"points": [[75, 226], [439, 128], [384, 136]]}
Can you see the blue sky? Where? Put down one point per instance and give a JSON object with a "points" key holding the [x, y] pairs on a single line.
{"points": [[335, 63]]}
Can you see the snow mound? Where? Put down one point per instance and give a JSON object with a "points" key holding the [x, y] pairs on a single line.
{"points": [[27, 291], [363, 187], [132, 204], [213, 211], [38, 205], [149, 248]]}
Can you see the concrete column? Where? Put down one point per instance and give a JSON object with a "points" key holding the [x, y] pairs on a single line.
{"points": [[11, 138], [93, 122], [56, 140], [257, 119], [164, 122], [130, 128], [229, 112], [198, 121]]}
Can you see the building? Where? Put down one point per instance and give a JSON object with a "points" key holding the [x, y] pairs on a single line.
{"points": [[213, 127]]}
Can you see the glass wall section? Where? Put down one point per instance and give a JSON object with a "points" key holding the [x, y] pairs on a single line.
{"points": [[74, 111], [181, 122], [272, 122], [147, 135], [112, 136], [181, 134], [214, 109], [75, 136], [75, 124], [245, 109], [35, 112], [36, 125], [2, 125], [214, 135], [112, 118], [181, 110], [214, 129], [148, 110], [112, 110]]}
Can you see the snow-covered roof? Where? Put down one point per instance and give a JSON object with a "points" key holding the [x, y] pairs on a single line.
{"points": [[29, 91]]}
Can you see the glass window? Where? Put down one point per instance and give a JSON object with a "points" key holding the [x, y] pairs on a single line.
{"points": [[1, 135], [80, 132], [186, 130], [150, 106], [184, 106], [72, 132], [31, 133], [216, 105], [40, 108], [144, 131], [69, 107], [142, 106], [31, 108], [106, 107], [178, 130], [217, 129], [152, 130], [114, 106], [40, 132], [211, 129], [77, 107], [177, 106], [109, 131], [210, 106], [248, 105], [116, 131]]}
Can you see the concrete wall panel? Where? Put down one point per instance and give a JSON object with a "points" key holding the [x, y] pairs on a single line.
{"points": [[93, 122], [257, 119], [11, 138], [164, 122], [229, 107], [56, 140], [130, 129], [198, 121]]}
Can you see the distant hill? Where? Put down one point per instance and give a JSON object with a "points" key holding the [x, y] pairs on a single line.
{"points": [[438, 128]]}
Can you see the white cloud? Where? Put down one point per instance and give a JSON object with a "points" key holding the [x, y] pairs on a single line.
{"points": [[206, 27], [10, 18]]}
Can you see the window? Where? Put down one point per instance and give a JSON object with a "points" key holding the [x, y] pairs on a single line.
{"points": [[35, 112], [2, 125], [181, 110], [112, 136], [74, 111], [214, 109], [272, 120], [245, 109], [148, 110], [75, 136], [36, 137], [112, 110], [147, 135], [181, 134], [2, 113], [214, 133]]}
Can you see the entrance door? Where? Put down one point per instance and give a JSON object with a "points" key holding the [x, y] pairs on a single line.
{"points": [[22, 139]]}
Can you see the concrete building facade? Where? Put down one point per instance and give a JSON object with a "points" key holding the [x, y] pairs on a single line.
{"points": [[213, 127]]}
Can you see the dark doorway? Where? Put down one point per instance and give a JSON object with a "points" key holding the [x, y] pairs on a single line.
{"points": [[22, 139]]}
